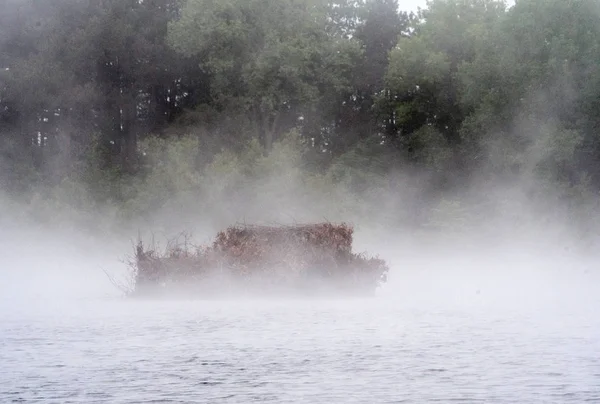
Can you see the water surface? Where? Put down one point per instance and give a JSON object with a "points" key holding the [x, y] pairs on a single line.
{"points": [[436, 337]]}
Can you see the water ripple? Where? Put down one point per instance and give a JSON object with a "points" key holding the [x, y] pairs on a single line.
{"points": [[296, 353]]}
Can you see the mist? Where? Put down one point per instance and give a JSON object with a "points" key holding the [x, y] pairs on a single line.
{"points": [[458, 139], [479, 183]]}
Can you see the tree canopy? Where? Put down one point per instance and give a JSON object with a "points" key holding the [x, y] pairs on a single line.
{"points": [[460, 89]]}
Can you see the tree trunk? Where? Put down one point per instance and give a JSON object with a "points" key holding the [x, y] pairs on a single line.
{"points": [[268, 128], [129, 134]]}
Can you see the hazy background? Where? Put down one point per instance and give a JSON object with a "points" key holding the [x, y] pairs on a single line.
{"points": [[463, 139]]}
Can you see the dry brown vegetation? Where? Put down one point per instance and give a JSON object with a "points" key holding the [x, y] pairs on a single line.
{"points": [[261, 258]]}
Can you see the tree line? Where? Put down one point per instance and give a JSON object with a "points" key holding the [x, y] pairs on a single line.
{"points": [[459, 88]]}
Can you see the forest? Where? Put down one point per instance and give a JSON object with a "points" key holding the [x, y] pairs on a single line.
{"points": [[126, 111]]}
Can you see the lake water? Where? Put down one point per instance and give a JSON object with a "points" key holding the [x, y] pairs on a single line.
{"points": [[435, 335]]}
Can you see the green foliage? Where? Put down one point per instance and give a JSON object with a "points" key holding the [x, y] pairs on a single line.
{"points": [[364, 167], [272, 59], [233, 108], [170, 177], [413, 66], [430, 148]]}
